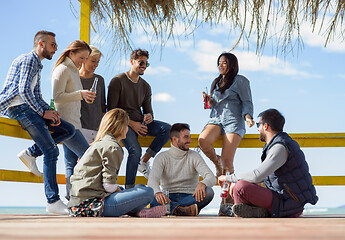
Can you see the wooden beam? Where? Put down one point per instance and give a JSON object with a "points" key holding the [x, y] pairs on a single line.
{"points": [[85, 20], [28, 177], [11, 127]]}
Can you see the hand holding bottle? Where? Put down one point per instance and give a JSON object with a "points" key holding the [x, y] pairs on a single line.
{"points": [[88, 96], [206, 99]]}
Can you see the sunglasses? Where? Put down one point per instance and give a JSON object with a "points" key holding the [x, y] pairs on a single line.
{"points": [[258, 124], [142, 63]]}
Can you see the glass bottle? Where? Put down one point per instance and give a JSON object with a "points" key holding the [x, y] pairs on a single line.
{"points": [[52, 105], [206, 100], [225, 189], [94, 87]]}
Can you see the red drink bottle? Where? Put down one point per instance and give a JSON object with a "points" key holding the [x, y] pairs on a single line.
{"points": [[225, 189]]}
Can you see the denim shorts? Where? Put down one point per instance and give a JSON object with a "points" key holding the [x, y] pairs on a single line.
{"points": [[228, 128]]}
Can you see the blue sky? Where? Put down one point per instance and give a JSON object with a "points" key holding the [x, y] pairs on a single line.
{"points": [[307, 87]]}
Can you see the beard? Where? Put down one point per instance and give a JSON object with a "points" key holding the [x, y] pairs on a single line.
{"points": [[262, 137], [46, 54], [182, 146]]}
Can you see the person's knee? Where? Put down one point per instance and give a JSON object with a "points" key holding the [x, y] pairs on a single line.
{"points": [[135, 151], [165, 129], [209, 193], [203, 142], [147, 192], [240, 186], [51, 153]]}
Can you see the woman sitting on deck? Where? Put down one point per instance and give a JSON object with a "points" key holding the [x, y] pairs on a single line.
{"points": [[94, 179]]}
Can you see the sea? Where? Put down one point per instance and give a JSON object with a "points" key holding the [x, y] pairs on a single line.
{"points": [[206, 211]]}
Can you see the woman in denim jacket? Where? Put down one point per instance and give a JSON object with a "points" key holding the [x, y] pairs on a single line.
{"points": [[231, 106]]}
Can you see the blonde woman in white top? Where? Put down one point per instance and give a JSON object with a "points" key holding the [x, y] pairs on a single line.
{"points": [[68, 93]]}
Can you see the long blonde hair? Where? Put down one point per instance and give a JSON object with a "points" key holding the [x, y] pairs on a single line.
{"points": [[114, 121], [75, 46]]}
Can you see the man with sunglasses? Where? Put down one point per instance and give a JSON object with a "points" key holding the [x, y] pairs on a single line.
{"points": [[133, 94], [21, 99], [284, 171]]}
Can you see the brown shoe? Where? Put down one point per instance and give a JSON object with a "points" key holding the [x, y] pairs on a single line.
{"points": [[191, 210]]}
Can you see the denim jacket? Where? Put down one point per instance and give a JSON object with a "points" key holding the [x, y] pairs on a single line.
{"points": [[230, 107]]}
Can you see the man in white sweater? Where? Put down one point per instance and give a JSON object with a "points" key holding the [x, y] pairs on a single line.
{"points": [[178, 170]]}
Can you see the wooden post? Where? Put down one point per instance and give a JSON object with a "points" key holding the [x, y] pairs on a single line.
{"points": [[85, 20]]}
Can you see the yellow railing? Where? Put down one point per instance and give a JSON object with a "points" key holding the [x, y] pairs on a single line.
{"points": [[10, 127]]}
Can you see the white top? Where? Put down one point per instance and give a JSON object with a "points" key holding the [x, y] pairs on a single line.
{"points": [[67, 92], [178, 171]]}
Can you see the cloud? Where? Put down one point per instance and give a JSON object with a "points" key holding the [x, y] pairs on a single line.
{"points": [[341, 76], [206, 53], [163, 97], [264, 100], [157, 70]]}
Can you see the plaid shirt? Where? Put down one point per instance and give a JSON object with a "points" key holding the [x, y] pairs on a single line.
{"points": [[19, 80]]}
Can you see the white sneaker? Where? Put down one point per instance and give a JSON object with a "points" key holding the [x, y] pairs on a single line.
{"points": [[29, 161], [57, 207], [144, 168]]}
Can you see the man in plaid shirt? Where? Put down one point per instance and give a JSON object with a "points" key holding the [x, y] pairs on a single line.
{"points": [[21, 99]]}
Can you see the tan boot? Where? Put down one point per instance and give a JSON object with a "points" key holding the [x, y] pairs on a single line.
{"points": [[216, 159], [191, 210]]}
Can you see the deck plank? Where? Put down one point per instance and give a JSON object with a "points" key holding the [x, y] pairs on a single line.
{"points": [[31, 226]]}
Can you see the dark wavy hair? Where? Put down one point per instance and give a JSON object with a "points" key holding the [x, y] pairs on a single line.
{"points": [[230, 76], [273, 118]]}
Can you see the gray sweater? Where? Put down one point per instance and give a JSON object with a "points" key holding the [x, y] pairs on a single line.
{"points": [[178, 171]]}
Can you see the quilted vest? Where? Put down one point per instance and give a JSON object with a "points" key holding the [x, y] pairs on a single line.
{"points": [[291, 184]]}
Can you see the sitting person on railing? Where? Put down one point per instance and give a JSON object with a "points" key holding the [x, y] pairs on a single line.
{"points": [[94, 190], [284, 171], [21, 99], [178, 170], [133, 94]]}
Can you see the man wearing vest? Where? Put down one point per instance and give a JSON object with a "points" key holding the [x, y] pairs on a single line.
{"points": [[283, 170]]}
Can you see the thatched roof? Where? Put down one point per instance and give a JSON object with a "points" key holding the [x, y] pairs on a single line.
{"points": [[247, 18]]}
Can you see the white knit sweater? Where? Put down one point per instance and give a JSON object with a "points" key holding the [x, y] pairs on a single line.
{"points": [[66, 85], [178, 171]]}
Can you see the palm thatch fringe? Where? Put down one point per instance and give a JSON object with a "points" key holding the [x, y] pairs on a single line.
{"points": [[259, 18]]}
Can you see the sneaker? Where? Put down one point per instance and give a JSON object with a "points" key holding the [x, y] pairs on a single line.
{"points": [[225, 209], [57, 207], [250, 211], [29, 161], [191, 210], [144, 168], [155, 212]]}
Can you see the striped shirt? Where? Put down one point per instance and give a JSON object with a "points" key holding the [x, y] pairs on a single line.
{"points": [[21, 77]]}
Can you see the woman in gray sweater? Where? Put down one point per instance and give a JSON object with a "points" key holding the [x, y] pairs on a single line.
{"points": [[95, 175]]}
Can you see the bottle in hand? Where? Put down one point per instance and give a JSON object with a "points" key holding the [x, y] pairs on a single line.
{"points": [[206, 98], [225, 189], [52, 107], [93, 88]]}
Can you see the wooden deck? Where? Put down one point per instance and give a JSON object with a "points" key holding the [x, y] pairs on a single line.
{"points": [[25, 226]]}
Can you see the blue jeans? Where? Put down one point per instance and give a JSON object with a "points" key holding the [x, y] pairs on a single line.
{"points": [[74, 148], [128, 201], [45, 143], [185, 199], [156, 128]]}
